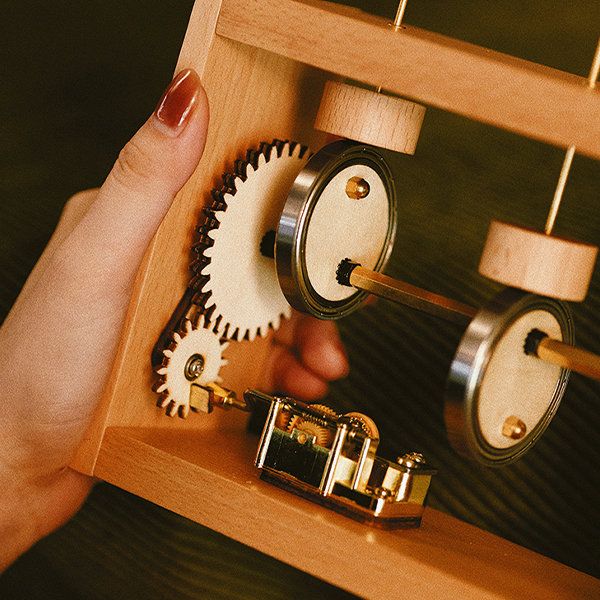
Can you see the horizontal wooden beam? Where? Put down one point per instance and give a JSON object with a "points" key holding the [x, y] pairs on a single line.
{"points": [[209, 477], [487, 86]]}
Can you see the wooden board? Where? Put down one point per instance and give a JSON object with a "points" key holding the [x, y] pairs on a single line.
{"points": [[514, 94], [254, 96], [445, 558]]}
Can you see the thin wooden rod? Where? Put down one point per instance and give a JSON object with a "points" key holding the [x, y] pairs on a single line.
{"points": [[549, 350], [560, 188], [566, 166], [410, 295], [569, 357]]}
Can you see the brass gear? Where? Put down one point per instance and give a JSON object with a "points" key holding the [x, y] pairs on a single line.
{"points": [[324, 435], [235, 281], [195, 355], [367, 424]]}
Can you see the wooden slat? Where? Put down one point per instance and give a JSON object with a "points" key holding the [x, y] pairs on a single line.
{"points": [[514, 94], [209, 477]]}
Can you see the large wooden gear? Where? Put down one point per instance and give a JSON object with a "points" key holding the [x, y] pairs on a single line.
{"points": [[237, 284]]}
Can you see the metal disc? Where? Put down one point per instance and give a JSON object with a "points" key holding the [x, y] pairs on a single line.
{"points": [[495, 341], [306, 238]]}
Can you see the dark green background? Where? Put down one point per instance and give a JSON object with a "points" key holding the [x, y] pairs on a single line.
{"points": [[79, 78]]}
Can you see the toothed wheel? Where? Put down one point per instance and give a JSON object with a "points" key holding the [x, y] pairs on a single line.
{"points": [[195, 355], [237, 284], [324, 436], [366, 423]]}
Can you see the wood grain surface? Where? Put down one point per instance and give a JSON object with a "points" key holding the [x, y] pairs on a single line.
{"points": [[476, 82], [80, 78]]}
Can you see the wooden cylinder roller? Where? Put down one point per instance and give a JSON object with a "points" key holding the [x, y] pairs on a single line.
{"points": [[370, 117], [538, 263]]}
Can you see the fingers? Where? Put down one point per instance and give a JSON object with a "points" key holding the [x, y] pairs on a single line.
{"points": [[291, 377], [321, 349], [308, 355]]}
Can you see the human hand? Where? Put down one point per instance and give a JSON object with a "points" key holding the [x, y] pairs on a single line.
{"points": [[57, 342]]}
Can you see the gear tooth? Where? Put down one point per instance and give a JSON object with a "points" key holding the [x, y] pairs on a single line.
{"points": [[188, 325], [183, 411], [251, 334], [168, 353], [294, 147], [163, 400], [303, 151], [225, 345], [230, 182], [266, 150], [161, 388], [279, 146], [176, 337], [261, 160], [241, 169], [172, 408], [161, 371]]}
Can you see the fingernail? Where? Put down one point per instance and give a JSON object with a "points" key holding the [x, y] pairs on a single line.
{"points": [[177, 103]]}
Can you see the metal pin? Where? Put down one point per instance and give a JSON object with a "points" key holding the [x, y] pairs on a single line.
{"points": [[566, 166]]}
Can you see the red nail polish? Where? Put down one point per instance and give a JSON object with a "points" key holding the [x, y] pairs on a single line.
{"points": [[178, 101]]}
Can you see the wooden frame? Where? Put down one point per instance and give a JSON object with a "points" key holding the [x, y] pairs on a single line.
{"points": [[262, 63]]}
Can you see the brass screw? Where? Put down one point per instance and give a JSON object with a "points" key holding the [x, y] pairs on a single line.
{"points": [[357, 188], [382, 493], [194, 367], [411, 459], [301, 438], [514, 428]]}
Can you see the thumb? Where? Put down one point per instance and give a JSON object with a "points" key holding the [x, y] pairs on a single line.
{"points": [[149, 172]]}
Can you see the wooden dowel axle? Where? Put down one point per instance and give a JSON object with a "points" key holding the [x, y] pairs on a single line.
{"points": [[545, 348], [410, 295], [569, 357]]}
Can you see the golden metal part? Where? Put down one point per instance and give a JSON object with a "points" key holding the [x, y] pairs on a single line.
{"points": [[323, 435], [400, 14], [348, 476], [514, 428], [194, 367], [357, 188], [203, 398]]}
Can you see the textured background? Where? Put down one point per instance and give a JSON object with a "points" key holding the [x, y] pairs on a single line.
{"points": [[79, 78]]}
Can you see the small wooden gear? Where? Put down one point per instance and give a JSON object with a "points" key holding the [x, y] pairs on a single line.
{"points": [[342, 204], [535, 262], [499, 399], [370, 116], [195, 355]]}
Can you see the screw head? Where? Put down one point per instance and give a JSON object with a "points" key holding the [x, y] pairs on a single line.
{"points": [[411, 459], [514, 428], [357, 188], [194, 367], [382, 493]]}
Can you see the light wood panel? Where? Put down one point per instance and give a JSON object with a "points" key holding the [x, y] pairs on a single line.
{"points": [[254, 96], [514, 94], [445, 558]]}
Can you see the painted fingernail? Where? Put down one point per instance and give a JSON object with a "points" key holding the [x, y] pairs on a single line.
{"points": [[177, 103]]}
